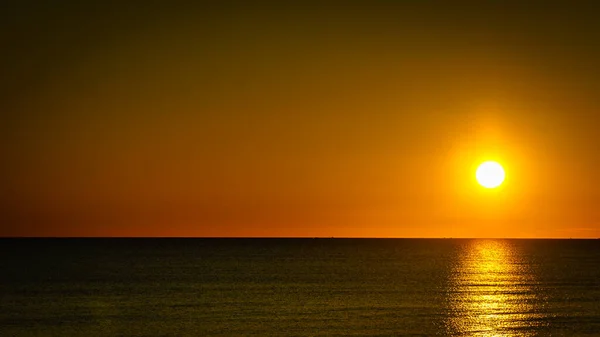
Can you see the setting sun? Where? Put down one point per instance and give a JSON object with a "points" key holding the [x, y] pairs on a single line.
{"points": [[490, 174]]}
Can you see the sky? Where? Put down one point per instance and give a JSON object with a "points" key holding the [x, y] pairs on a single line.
{"points": [[318, 119]]}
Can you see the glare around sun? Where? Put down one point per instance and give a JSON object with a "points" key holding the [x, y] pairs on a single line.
{"points": [[490, 174]]}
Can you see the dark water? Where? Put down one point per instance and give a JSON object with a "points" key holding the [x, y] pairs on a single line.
{"points": [[304, 287]]}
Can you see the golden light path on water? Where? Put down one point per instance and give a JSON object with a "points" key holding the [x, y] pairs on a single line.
{"points": [[492, 292]]}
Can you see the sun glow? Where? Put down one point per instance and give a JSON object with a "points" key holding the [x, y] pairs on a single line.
{"points": [[490, 174]]}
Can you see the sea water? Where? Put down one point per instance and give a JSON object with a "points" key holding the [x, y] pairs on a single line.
{"points": [[299, 287]]}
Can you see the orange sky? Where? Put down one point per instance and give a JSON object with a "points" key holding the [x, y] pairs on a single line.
{"points": [[361, 121]]}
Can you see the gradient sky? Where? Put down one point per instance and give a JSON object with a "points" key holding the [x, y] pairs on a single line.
{"points": [[361, 120]]}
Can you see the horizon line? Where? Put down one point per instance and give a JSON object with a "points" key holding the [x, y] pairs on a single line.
{"points": [[299, 237]]}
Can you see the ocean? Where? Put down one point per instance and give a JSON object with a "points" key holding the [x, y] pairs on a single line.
{"points": [[299, 287]]}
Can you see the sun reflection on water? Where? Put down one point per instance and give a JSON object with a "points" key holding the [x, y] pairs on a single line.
{"points": [[491, 292]]}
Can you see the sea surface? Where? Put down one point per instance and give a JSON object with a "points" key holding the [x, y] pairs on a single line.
{"points": [[299, 287]]}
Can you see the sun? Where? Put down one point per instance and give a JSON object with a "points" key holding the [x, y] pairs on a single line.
{"points": [[490, 174]]}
